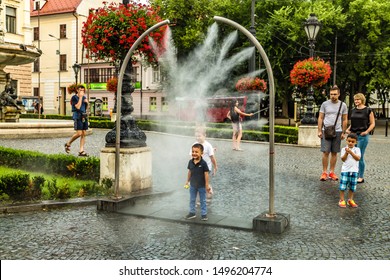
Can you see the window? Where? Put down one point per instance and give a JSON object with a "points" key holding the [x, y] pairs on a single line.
{"points": [[164, 103], [135, 76], [36, 91], [36, 33], [11, 20], [153, 104], [105, 104], [36, 65], [98, 75], [62, 62], [62, 31], [156, 74]]}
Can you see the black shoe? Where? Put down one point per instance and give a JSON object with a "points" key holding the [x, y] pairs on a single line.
{"points": [[362, 181], [190, 216], [204, 218]]}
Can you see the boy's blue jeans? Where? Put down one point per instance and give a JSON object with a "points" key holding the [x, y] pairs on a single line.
{"points": [[202, 199]]}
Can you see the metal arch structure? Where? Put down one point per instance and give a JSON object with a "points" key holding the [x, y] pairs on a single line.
{"points": [[271, 212], [119, 99]]}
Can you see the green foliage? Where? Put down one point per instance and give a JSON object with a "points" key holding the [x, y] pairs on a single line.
{"points": [[362, 29], [66, 165], [35, 189], [14, 185], [58, 192]]}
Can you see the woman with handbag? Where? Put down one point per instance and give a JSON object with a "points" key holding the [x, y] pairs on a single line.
{"points": [[362, 123]]}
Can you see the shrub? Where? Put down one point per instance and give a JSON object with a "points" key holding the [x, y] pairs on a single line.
{"points": [[14, 185]]}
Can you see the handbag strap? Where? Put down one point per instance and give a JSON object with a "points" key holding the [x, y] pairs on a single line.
{"points": [[338, 113]]}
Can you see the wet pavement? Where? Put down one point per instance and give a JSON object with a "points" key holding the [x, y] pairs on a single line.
{"points": [[319, 229]]}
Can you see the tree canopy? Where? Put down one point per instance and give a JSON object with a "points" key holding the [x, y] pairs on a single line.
{"points": [[354, 38]]}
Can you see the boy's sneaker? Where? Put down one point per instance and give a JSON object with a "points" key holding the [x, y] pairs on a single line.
{"points": [[352, 203], [191, 216], [342, 204], [204, 218], [333, 176], [324, 176]]}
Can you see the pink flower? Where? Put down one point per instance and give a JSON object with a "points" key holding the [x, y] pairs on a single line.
{"points": [[249, 83]]}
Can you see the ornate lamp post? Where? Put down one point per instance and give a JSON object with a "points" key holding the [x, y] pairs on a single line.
{"points": [[312, 26], [76, 68]]}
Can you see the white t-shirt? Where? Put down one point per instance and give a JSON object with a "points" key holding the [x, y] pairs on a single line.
{"points": [[208, 151], [350, 164]]}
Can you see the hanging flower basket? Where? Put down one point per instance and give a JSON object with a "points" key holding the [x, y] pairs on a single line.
{"points": [[311, 71], [109, 32], [72, 88], [112, 84], [250, 84]]}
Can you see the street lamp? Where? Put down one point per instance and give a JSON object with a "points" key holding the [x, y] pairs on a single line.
{"points": [[312, 26], [76, 68], [58, 52]]}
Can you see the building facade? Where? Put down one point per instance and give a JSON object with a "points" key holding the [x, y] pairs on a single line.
{"points": [[15, 29], [56, 26]]}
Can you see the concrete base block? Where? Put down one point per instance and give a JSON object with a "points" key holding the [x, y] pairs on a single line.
{"points": [[308, 136], [135, 168], [276, 224]]}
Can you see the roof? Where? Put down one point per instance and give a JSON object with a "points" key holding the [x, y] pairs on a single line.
{"points": [[52, 7]]}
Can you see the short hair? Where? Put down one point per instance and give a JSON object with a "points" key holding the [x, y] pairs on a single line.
{"points": [[335, 87], [80, 86], [360, 96], [353, 136], [199, 146]]}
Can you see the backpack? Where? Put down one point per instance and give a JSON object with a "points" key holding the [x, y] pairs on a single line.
{"points": [[234, 115]]}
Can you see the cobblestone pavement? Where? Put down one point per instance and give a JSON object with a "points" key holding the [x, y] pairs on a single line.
{"points": [[319, 229]]}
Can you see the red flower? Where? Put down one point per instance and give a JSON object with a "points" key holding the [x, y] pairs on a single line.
{"points": [[112, 84], [110, 31], [311, 71], [249, 83], [72, 88]]}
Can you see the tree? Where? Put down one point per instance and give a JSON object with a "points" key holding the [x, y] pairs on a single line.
{"points": [[361, 28], [280, 31], [371, 25], [189, 21]]}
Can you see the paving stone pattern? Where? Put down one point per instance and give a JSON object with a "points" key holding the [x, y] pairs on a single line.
{"points": [[319, 229]]}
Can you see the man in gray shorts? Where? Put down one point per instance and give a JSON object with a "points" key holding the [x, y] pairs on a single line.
{"points": [[327, 117]]}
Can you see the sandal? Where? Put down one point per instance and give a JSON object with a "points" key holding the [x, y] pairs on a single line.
{"points": [[83, 154], [67, 148]]}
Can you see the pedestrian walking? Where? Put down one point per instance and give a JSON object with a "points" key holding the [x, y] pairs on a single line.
{"points": [[38, 108], [362, 123], [350, 155], [79, 104], [198, 180], [235, 115], [333, 112]]}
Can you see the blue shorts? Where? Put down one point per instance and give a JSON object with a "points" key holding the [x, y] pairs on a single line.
{"points": [[80, 125], [348, 179]]}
